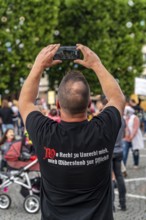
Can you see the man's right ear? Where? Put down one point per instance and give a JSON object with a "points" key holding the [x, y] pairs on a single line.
{"points": [[57, 104]]}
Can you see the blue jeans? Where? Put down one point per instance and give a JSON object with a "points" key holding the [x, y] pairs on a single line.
{"points": [[116, 164], [126, 146], [7, 126], [144, 126]]}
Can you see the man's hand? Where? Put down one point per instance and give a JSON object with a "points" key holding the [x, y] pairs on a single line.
{"points": [[45, 58], [90, 58]]}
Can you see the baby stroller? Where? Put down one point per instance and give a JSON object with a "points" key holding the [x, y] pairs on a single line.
{"points": [[21, 161]]}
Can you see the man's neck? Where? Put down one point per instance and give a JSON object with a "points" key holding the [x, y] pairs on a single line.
{"points": [[73, 118]]}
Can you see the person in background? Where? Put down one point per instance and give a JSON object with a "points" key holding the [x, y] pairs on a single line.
{"points": [[117, 175], [117, 167], [100, 103], [74, 155], [6, 115], [139, 112], [54, 115], [91, 111], [133, 136], [15, 110], [27, 145], [1, 127], [144, 122], [135, 106], [5, 143]]}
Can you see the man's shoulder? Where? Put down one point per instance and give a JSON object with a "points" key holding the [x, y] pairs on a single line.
{"points": [[110, 111], [36, 118], [35, 115], [112, 108]]}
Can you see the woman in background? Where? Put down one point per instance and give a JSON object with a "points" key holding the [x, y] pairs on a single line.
{"points": [[6, 115], [5, 143], [133, 136]]}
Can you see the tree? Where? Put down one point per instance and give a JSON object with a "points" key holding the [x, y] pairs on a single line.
{"points": [[26, 27], [115, 29]]}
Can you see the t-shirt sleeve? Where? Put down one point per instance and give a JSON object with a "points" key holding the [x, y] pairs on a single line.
{"points": [[110, 122], [37, 126]]}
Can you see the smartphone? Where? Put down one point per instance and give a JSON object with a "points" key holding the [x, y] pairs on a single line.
{"points": [[67, 53]]}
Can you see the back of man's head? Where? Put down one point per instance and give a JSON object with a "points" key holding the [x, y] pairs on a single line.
{"points": [[74, 93], [101, 102]]}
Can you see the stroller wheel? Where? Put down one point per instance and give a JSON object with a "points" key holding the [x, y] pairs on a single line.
{"points": [[5, 201], [31, 204]]}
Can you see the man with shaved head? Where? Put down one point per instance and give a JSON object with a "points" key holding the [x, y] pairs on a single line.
{"points": [[74, 93], [75, 154]]}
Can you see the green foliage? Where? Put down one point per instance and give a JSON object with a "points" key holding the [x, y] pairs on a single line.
{"points": [[26, 27], [114, 29]]}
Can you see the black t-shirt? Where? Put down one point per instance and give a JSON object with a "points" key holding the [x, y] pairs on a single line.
{"points": [[75, 163], [6, 114]]}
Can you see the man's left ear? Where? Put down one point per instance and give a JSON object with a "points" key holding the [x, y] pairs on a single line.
{"points": [[57, 104], [89, 104]]}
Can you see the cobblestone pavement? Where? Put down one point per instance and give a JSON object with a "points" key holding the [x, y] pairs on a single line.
{"points": [[136, 191], [136, 196]]}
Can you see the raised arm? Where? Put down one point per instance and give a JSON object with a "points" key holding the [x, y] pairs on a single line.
{"points": [[109, 85], [29, 90]]}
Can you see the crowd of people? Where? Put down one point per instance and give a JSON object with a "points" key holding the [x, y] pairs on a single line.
{"points": [[10, 117], [130, 136]]}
